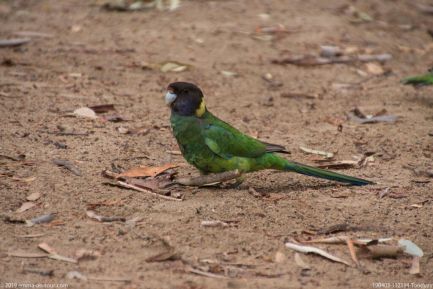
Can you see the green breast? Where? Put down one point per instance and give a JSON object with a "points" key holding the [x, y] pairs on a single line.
{"points": [[187, 131]]}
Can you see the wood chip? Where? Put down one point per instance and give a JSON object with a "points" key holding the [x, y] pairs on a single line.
{"points": [[25, 206], [214, 223]]}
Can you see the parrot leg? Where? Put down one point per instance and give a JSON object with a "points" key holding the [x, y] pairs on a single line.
{"points": [[210, 179], [239, 181]]}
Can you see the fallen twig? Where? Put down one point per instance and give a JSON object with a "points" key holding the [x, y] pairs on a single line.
{"points": [[30, 235], [206, 274], [129, 186], [209, 179], [214, 223]]}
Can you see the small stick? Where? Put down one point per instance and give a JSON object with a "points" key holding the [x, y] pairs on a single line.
{"points": [[209, 179], [129, 186], [207, 274], [31, 235]]}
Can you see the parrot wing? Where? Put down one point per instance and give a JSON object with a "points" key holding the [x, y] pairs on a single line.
{"points": [[226, 141]]}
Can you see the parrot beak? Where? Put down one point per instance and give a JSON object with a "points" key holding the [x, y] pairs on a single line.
{"points": [[170, 97]]}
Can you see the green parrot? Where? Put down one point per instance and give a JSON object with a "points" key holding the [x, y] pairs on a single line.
{"points": [[214, 146], [420, 80]]}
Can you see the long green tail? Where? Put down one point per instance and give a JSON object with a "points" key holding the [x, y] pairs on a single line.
{"points": [[426, 79], [273, 161], [324, 174]]}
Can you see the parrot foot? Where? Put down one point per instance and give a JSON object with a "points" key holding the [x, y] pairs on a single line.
{"points": [[238, 183], [210, 179]]}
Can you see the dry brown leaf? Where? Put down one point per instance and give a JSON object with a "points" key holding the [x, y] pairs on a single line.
{"points": [[33, 197], [147, 171], [47, 248], [25, 206]]}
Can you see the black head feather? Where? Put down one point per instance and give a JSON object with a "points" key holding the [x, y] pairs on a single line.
{"points": [[188, 100]]}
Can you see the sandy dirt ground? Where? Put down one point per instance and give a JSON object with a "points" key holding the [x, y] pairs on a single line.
{"points": [[89, 56]]}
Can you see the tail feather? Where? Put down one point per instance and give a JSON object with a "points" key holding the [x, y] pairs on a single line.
{"points": [[324, 174]]}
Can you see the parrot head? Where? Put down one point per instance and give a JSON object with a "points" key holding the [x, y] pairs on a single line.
{"points": [[185, 99]]}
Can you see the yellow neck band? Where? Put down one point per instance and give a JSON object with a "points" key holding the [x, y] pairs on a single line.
{"points": [[201, 109]]}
